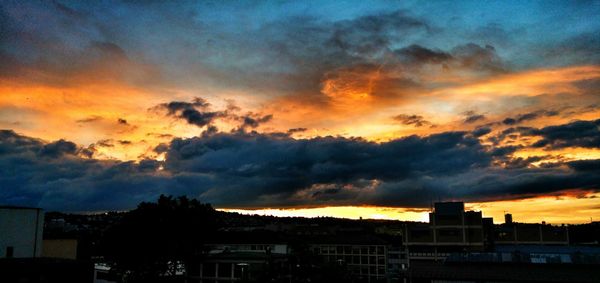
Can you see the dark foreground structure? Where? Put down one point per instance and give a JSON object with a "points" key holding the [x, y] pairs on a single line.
{"points": [[178, 240], [455, 246], [484, 272], [46, 270]]}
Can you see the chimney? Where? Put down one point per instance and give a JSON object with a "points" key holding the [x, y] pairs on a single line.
{"points": [[508, 218]]}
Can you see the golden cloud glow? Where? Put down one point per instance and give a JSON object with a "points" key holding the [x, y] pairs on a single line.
{"points": [[530, 83]]}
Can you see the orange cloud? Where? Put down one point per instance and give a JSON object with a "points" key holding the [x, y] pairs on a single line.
{"points": [[67, 112], [529, 83]]}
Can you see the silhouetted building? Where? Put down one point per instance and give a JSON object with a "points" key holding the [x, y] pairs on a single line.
{"points": [[246, 256], [531, 234], [497, 271], [368, 258], [240, 266], [260, 256], [450, 229], [21, 251], [585, 234], [508, 218], [47, 270], [523, 263], [21, 231]]}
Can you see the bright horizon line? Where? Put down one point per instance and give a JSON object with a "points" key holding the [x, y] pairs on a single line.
{"points": [[520, 209]]}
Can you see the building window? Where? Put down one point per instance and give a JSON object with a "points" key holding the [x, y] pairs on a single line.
{"points": [[10, 251], [348, 250], [224, 270], [209, 270]]}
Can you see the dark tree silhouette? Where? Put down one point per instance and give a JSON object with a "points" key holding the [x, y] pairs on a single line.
{"points": [[151, 242]]}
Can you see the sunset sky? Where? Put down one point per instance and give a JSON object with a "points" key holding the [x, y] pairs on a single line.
{"points": [[369, 109]]}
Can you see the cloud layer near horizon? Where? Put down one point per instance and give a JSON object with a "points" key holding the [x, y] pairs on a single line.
{"points": [[242, 169]]}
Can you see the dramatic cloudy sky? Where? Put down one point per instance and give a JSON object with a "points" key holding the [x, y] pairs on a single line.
{"points": [[356, 108]]}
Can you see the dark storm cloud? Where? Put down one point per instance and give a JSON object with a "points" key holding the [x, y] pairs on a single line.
{"points": [[177, 106], [509, 121], [259, 166], [370, 35], [254, 120], [479, 58], [198, 113], [472, 117], [519, 183], [585, 165], [105, 143], [58, 148], [416, 120], [161, 148], [468, 56], [529, 116], [575, 134], [509, 134], [503, 151], [417, 54], [481, 131], [54, 176], [243, 169], [88, 152], [521, 162], [296, 130], [198, 118], [189, 112]]}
